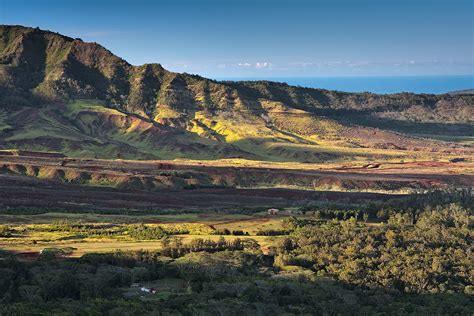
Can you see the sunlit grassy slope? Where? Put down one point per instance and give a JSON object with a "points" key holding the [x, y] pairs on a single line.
{"points": [[87, 128]]}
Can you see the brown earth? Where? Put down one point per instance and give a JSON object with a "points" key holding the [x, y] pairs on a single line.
{"points": [[24, 193], [156, 175], [91, 184]]}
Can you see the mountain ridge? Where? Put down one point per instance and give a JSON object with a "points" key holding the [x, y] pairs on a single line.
{"points": [[66, 52], [47, 72]]}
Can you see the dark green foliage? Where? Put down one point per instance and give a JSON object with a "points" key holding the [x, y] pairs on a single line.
{"points": [[6, 231], [142, 232], [430, 257], [174, 248], [272, 232], [410, 206], [223, 231], [341, 267], [293, 222], [385, 270]]}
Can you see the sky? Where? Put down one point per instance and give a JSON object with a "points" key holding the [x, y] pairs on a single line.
{"points": [[268, 38]]}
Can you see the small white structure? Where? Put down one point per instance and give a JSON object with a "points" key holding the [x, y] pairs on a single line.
{"points": [[148, 290], [273, 211]]}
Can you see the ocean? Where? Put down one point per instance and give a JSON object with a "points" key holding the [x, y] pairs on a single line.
{"points": [[378, 84]]}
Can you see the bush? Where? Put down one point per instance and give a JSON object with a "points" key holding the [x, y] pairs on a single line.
{"points": [[5, 231], [142, 232], [272, 232]]}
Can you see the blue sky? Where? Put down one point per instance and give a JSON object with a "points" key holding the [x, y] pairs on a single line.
{"points": [[269, 38]]}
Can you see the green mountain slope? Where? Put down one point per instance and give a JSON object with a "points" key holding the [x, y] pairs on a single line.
{"points": [[62, 94]]}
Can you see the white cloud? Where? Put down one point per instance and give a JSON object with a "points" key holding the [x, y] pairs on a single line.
{"points": [[244, 64], [262, 65]]}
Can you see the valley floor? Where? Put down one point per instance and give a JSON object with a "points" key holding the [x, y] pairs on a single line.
{"points": [[253, 237], [38, 189]]}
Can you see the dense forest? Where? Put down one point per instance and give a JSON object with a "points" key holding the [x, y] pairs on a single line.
{"points": [[321, 267]]}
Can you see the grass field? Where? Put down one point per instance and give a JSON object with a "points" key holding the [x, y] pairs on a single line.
{"points": [[32, 232], [101, 246]]}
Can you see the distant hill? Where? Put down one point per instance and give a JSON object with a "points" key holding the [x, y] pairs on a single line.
{"points": [[61, 94], [466, 91]]}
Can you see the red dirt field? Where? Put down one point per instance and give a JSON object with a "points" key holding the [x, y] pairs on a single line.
{"points": [[53, 183], [21, 192]]}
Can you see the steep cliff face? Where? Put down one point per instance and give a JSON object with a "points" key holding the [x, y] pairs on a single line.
{"points": [[52, 67], [48, 73]]}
